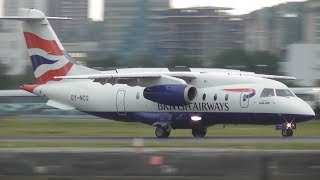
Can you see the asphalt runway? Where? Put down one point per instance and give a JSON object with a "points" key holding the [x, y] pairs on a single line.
{"points": [[160, 166], [168, 140]]}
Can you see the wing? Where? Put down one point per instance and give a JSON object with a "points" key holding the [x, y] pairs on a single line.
{"points": [[134, 79], [150, 79], [273, 77]]}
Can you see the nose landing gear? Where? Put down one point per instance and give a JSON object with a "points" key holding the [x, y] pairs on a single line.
{"points": [[286, 128]]}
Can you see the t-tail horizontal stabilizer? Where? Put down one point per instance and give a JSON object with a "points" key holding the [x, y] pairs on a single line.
{"points": [[21, 18], [27, 15]]}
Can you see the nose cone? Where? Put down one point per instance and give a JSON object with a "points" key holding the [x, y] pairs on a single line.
{"points": [[310, 114], [306, 111]]}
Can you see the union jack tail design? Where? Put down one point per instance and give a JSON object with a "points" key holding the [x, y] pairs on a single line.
{"points": [[47, 55]]}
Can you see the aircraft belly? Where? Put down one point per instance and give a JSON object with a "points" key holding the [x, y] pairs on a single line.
{"points": [[208, 119]]}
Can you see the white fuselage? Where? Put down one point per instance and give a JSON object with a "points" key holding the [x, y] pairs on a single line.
{"points": [[123, 100]]}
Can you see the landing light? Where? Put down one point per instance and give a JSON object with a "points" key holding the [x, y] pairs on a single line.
{"points": [[196, 118], [289, 125]]}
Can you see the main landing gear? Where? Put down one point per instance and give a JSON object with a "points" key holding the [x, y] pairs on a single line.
{"points": [[162, 132], [199, 132]]}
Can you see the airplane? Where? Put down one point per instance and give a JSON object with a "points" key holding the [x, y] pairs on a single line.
{"points": [[166, 98]]}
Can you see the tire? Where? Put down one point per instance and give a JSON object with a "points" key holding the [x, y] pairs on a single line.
{"points": [[199, 132], [287, 132], [162, 132], [290, 132]]}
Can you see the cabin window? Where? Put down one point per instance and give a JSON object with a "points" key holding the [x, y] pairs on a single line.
{"points": [[267, 92], [204, 97], [226, 97], [284, 93], [215, 97]]}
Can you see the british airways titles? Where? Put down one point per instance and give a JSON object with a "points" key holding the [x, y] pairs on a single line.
{"points": [[201, 106]]}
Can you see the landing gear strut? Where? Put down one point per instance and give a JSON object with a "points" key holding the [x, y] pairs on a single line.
{"points": [[162, 132], [199, 132]]}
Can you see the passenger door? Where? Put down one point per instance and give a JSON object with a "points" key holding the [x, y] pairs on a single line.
{"points": [[244, 99], [121, 105]]}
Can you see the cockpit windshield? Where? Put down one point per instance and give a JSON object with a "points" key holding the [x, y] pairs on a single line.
{"points": [[284, 93], [267, 92]]}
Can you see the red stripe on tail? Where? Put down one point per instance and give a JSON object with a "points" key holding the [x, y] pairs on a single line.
{"points": [[29, 88], [49, 75], [34, 41]]}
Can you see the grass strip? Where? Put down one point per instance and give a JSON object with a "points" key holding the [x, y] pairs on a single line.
{"points": [[101, 128]]}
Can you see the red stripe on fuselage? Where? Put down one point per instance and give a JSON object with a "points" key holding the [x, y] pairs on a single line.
{"points": [[49, 75], [34, 41]]}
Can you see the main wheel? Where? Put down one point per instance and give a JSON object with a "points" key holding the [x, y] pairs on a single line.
{"points": [[287, 132], [162, 132], [199, 132]]}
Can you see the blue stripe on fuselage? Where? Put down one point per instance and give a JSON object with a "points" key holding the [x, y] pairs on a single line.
{"points": [[39, 60], [182, 119]]}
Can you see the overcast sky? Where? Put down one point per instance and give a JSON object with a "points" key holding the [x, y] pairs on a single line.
{"points": [[240, 6]]}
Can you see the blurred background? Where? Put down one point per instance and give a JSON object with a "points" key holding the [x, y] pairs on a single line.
{"points": [[280, 37], [269, 36]]}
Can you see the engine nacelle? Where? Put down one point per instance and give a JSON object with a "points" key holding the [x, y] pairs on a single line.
{"points": [[172, 94]]}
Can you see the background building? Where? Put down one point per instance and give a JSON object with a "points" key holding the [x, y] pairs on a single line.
{"points": [[273, 28], [312, 22], [257, 31], [128, 29], [199, 33], [74, 30], [303, 63]]}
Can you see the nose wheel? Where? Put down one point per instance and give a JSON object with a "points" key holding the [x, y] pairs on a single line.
{"points": [[287, 132], [287, 127]]}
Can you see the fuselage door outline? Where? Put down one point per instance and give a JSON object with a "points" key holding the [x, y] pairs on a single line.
{"points": [[121, 105], [245, 98]]}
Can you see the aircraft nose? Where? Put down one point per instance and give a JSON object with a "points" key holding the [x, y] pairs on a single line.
{"points": [[307, 111], [311, 112]]}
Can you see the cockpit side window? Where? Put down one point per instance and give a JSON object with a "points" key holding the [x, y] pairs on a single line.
{"points": [[284, 93], [267, 92]]}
